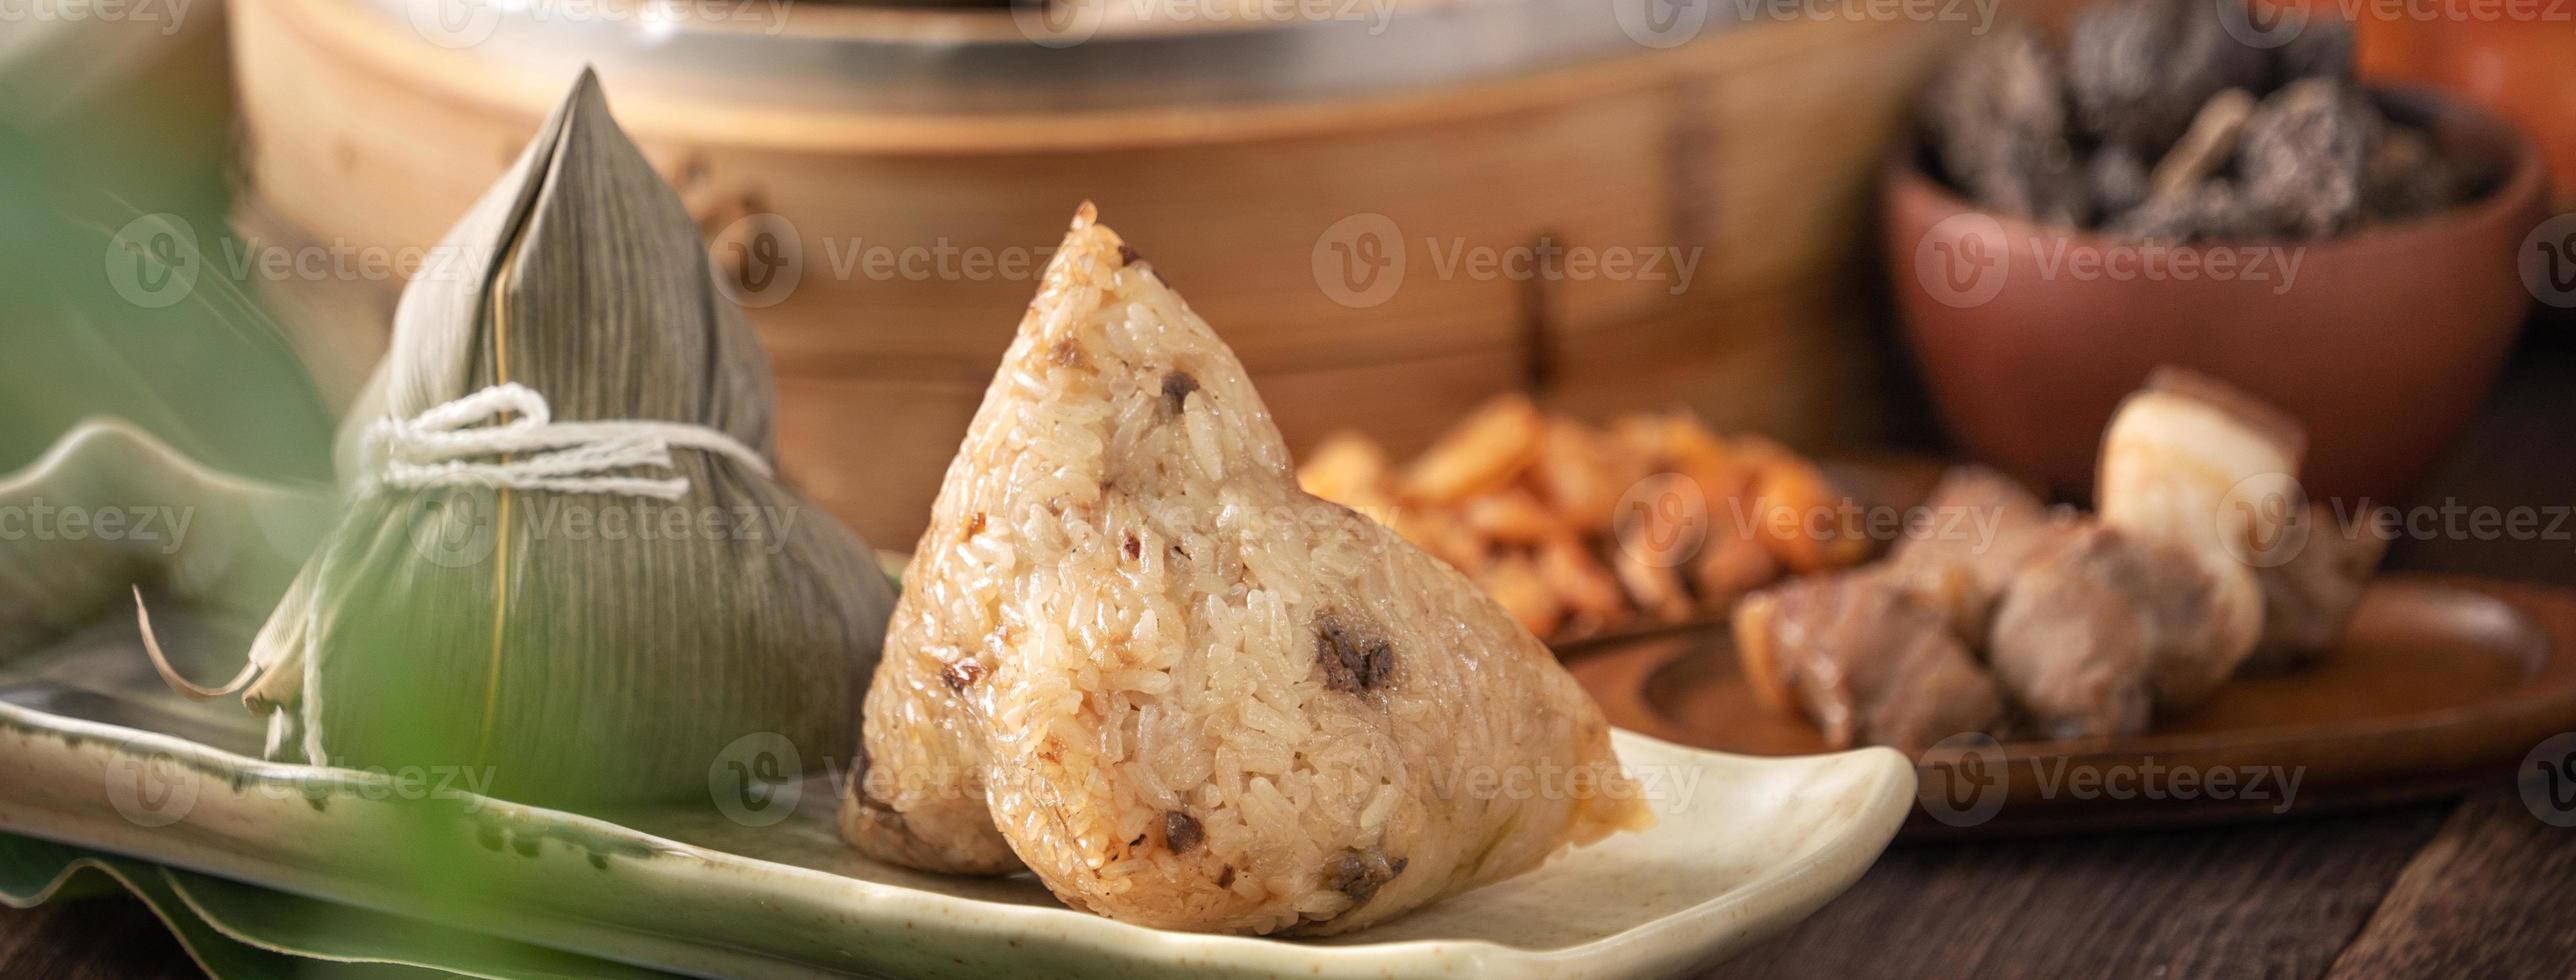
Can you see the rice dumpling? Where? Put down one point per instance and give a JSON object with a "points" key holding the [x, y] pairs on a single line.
{"points": [[1134, 656], [564, 559]]}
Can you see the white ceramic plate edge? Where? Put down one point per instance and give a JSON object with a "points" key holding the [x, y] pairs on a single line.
{"points": [[66, 792]]}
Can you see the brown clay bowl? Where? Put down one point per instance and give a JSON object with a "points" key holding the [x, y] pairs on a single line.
{"points": [[2384, 341]]}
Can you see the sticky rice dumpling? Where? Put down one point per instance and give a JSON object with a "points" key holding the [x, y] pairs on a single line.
{"points": [[1133, 656], [564, 559]]}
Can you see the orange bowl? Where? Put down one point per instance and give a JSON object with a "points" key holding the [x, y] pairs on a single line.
{"points": [[2384, 341]]}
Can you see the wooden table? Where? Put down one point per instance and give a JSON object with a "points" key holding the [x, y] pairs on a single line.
{"points": [[2472, 888]]}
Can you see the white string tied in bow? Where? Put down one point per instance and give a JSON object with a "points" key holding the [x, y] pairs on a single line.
{"points": [[452, 445]]}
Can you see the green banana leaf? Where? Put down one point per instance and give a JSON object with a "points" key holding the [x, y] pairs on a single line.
{"points": [[243, 932]]}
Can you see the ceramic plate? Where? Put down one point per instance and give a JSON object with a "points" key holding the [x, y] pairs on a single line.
{"points": [[2437, 685], [96, 755]]}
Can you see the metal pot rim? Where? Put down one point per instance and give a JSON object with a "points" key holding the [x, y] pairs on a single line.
{"points": [[1086, 55]]}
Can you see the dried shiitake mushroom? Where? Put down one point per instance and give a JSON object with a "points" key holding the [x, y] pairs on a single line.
{"points": [[2157, 122]]}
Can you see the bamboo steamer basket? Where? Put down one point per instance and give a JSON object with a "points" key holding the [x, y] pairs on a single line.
{"points": [[1232, 155]]}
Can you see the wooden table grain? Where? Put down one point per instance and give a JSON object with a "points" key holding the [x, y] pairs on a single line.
{"points": [[2474, 887]]}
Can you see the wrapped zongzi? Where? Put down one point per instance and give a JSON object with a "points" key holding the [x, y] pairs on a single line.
{"points": [[565, 561]]}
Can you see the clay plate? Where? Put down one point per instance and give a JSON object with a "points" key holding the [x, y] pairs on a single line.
{"points": [[2440, 683]]}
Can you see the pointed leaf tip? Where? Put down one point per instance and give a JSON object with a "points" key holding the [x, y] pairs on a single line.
{"points": [[169, 674]]}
